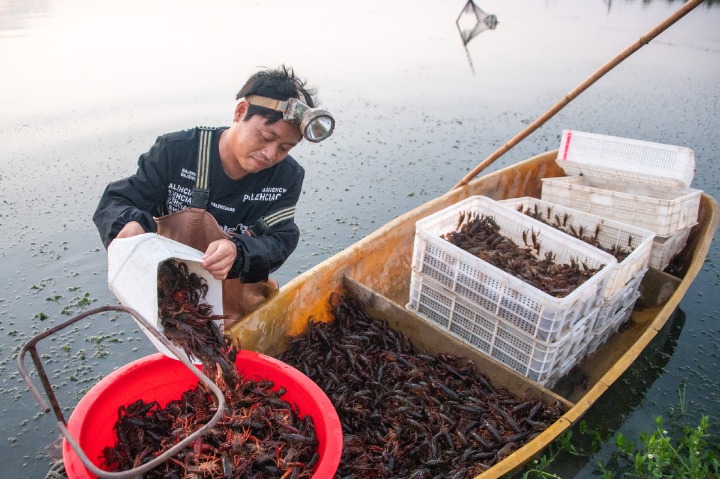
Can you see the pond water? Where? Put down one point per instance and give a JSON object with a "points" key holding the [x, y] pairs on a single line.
{"points": [[87, 86]]}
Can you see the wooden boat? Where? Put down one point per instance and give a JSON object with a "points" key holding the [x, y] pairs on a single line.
{"points": [[377, 270]]}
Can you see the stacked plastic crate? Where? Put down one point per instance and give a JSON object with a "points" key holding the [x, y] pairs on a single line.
{"points": [[631, 182], [501, 315], [631, 245], [636, 182]]}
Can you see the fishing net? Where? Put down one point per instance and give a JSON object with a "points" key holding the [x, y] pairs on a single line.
{"points": [[472, 21]]}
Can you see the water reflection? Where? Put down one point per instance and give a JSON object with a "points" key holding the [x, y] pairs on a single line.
{"points": [[471, 22]]}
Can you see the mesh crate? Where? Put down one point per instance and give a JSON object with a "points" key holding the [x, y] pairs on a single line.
{"points": [[660, 210], [567, 365], [616, 323], [664, 248], [608, 233], [533, 358], [611, 307], [624, 159], [535, 312]]}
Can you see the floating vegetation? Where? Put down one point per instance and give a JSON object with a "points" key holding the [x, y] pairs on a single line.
{"points": [[41, 285], [77, 304]]}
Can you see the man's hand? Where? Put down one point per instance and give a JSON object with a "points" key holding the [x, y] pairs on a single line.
{"points": [[133, 228], [219, 258]]}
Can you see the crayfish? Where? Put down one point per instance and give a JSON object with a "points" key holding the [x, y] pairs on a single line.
{"points": [[188, 320]]}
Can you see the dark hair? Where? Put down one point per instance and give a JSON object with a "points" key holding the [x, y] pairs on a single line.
{"points": [[278, 84]]}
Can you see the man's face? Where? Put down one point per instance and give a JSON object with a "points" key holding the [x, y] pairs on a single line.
{"points": [[254, 145]]}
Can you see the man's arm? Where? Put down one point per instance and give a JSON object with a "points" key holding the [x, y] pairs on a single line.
{"points": [[258, 256], [134, 199]]}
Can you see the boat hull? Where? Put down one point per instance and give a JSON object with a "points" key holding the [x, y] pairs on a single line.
{"points": [[377, 271]]}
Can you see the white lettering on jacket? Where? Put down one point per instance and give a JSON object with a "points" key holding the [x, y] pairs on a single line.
{"points": [[190, 175], [223, 207], [262, 197], [178, 197], [272, 189]]}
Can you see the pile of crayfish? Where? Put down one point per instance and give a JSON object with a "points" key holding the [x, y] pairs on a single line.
{"points": [[260, 435], [480, 235], [591, 237], [406, 414]]}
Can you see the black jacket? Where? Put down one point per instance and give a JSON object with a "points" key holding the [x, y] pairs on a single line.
{"points": [[262, 202]]}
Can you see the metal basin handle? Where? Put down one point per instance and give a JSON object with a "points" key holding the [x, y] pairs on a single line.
{"points": [[55, 406]]}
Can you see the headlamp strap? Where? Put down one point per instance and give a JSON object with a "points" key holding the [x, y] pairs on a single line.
{"points": [[272, 104], [201, 192]]}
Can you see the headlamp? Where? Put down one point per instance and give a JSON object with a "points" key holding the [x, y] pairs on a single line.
{"points": [[315, 125]]}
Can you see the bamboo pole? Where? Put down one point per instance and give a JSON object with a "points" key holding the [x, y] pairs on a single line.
{"points": [[643, 40]]}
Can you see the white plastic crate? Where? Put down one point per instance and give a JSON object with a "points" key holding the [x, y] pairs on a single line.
{"points": [[610, 308], [610, 319], [612, 327], [535, 312], [664, 248], [612, 157], [610, 233], [565, 368], [533, 358], [658, 209]]}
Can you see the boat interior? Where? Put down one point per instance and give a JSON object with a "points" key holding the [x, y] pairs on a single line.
{"points": [[377, 271]]}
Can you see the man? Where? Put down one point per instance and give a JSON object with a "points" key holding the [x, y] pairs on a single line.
{"points": [[231, 191]]}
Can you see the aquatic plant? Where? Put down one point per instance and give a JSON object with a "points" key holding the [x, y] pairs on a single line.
{"points": [[693, 453], [673, 450]]}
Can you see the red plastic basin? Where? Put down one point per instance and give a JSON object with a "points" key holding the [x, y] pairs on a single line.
{"points": [[162, 379]]}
